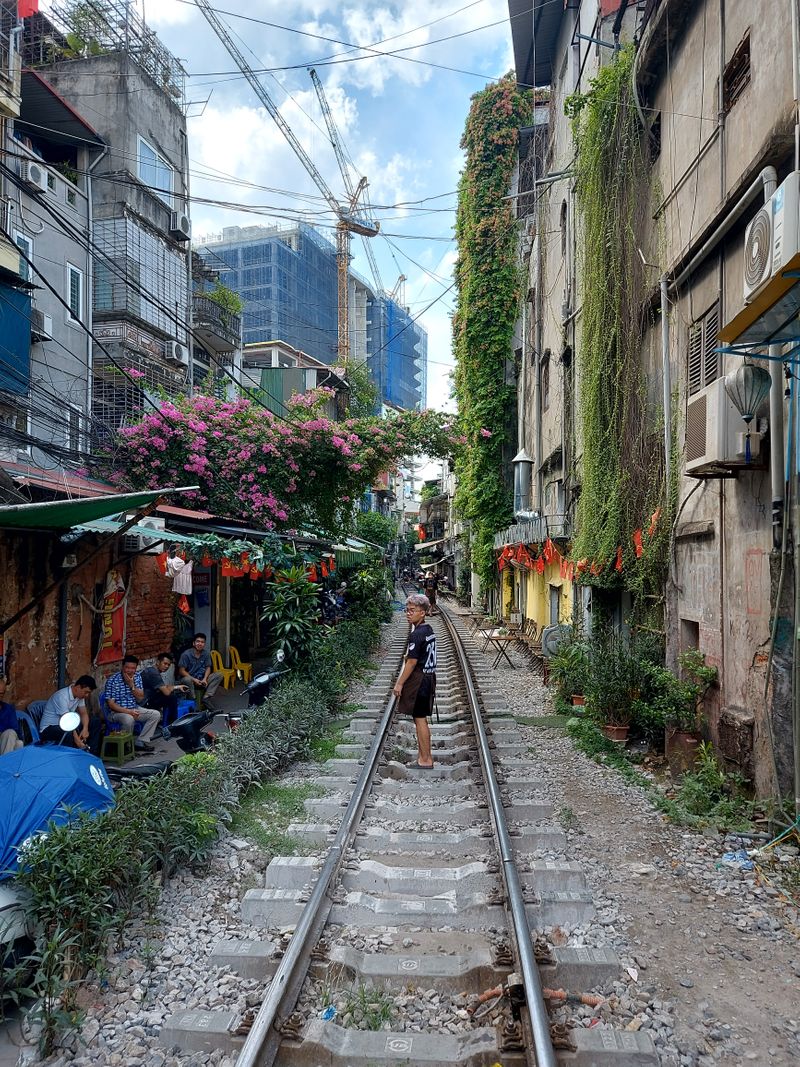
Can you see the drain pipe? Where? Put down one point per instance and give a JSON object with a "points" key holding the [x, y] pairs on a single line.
{"points": [[766, 182], [667, 380]]}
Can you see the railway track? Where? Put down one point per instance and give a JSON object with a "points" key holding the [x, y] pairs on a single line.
{"points": [[447, 881]]}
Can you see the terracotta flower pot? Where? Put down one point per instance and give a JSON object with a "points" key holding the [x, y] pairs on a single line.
{"points": [[578, 701], [618, 734], [680, 748]]}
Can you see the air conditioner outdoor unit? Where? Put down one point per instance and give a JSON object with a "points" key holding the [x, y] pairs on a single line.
{"points": [[141, 543], [772, 238], [41, 326], [34, 175], [715, 435], [180, 226], [177, 353]]}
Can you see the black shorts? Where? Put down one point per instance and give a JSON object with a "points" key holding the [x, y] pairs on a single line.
{"points": [[418, 694]]}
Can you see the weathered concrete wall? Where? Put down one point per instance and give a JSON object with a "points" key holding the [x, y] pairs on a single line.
{"points": [[722, 574]]}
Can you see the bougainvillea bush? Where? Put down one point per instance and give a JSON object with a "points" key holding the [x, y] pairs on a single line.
{"points": [[283, 472]]}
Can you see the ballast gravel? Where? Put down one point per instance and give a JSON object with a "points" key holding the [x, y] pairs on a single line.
{"points": [[710, 955]]}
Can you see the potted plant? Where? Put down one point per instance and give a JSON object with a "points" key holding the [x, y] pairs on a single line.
{"points": [[569, 667], [612, 686], [683, 712]]}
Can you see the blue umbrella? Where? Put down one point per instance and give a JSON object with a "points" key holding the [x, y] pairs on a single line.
{"points": [[38, 784]]}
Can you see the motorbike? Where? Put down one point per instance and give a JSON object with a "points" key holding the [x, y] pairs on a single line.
{"points": [[191, 731], [259, 689]]}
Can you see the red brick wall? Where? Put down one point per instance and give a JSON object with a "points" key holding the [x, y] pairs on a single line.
{"points": [[150, 609], [28, 563]]}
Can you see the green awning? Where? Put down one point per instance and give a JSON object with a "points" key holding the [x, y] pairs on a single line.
{"points": [[108, 526], [64, 514]]}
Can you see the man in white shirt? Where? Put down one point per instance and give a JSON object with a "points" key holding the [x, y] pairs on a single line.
{"points": [[71, 698]]}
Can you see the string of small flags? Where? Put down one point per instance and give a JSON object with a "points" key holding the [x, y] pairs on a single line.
{"points": [[537, 557]]}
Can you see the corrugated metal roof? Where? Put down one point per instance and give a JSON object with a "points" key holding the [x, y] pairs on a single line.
{"points": [[534, 31], [108, 526], [66, 514]]}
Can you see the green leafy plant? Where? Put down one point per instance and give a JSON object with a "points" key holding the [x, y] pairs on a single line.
{"points": [[488, 286], [376, 528], [622, 471], [569, 667], [368, 1007], [225, 299], [292, 611]]}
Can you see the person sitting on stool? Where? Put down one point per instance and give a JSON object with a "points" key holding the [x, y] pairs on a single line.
{"points": [[194, 670], [158, 692], [124, 690], [70, 698]]}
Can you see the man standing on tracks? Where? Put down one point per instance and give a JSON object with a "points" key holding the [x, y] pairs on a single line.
{"points": [[430, 584], [415, 689]]}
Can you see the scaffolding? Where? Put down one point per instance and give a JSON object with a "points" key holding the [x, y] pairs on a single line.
{"points": [[80, 29]]}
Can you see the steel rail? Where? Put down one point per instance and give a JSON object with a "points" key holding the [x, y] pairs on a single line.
{"points": [[262, 1043], [537, 1011]]}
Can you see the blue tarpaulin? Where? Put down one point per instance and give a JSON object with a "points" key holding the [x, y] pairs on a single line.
{"points": [[15, 339], [38, 784]]}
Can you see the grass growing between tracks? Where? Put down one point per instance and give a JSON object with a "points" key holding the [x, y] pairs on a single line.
{"points": [[267, 809]]}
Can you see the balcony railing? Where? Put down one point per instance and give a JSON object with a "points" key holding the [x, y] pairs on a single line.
{"points": [[216, 327], [535, 531]]}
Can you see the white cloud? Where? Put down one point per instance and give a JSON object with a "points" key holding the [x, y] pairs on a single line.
{"points": [[400, 121]]}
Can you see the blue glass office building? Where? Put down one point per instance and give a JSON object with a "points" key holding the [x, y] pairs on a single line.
{"points": [[288, 281]]}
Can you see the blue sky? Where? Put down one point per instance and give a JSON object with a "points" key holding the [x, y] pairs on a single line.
{"points": [[401, 122]]}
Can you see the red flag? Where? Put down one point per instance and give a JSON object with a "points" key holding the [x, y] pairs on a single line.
{"points": [[618, 564], [637, 542], [596, 568], [324, 569], [183, 604], [651, 529], [540, 565], [549, 551], [312, 572], [26, 8], [582, 565], [564, 569], [570, 571]]}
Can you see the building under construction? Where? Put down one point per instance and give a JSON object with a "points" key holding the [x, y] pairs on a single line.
{"points": [[287, 278]]}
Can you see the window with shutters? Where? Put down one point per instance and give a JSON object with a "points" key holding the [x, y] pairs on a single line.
{"points": [[704, 360]]}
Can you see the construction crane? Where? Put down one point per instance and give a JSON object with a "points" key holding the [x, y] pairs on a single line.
{"points": [[398, 294], [344, 170], [349, 218]]}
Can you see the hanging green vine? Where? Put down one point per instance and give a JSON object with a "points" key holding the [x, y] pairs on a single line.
{"points": [[487, 286], [621, 434]]}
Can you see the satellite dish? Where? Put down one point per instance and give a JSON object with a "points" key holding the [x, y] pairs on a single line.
{"points": [[552, 637]]}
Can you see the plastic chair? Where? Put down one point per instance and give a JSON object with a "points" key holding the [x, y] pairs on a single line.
{"points": [[34, 711], [118, 743], [228, 673], [243, 669], [28, 720]]}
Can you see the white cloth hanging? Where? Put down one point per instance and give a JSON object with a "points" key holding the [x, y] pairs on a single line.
{"points": [[181, 574]]}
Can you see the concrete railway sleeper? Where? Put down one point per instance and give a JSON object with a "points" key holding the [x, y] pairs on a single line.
{"points": [[421, 879]]}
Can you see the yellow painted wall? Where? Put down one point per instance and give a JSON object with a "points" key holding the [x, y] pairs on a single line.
{"points": [[536, 602]]}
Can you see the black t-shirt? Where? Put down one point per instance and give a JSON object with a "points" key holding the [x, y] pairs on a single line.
{"points": [[431, 582], [422, 648], [151, 683]]}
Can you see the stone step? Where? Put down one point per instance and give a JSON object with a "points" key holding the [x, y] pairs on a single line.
{"points": [[283, 907], [393, 773], [334, 1046], [458, 813], [201, 1031], [467, 842], [251, 959]]}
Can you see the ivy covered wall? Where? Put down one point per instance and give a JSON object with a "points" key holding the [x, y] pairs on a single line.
{"points": [[488, 281]]}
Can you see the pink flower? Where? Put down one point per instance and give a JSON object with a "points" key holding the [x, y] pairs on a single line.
{"points": [[485, 432], [132, 372]]}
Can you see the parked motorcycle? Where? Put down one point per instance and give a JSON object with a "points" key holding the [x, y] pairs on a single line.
{"points": [[191, 731], [259, 689]]}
